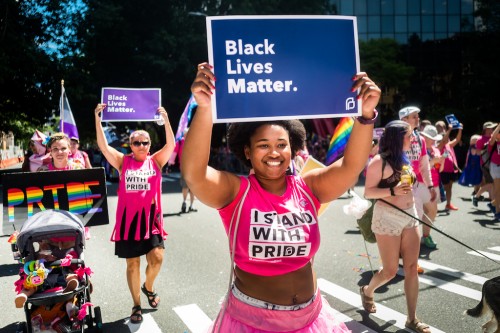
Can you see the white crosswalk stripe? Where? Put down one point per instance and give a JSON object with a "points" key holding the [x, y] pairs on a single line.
{"points": [[194, 318], [452, 272], [445, 285], [489, 255]]}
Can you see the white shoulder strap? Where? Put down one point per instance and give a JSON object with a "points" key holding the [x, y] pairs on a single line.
{"points": [[304, 192], [235, 221]]}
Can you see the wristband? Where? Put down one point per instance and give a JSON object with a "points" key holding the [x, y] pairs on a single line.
{"points": [[392, 191], [430, 187], [364, 121]]}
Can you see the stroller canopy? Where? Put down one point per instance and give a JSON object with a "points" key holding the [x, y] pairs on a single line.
{"points": [[48, 224]]}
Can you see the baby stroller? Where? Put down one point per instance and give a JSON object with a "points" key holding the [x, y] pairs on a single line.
{"points": [[72, 309]]}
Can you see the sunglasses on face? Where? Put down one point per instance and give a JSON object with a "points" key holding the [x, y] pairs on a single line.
{"points": [[139, 143]]}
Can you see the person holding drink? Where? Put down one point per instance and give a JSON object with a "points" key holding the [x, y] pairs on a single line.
{"points": [[389, 178]]}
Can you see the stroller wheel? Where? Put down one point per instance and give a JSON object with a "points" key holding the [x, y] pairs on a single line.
{"points": [[98, 319], [22, 327]]}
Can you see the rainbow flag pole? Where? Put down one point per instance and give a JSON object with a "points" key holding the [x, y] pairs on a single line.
{"points": [[339, 140]]}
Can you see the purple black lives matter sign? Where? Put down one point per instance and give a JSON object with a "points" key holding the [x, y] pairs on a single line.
{"points": [[130, 104], [283, 67]]}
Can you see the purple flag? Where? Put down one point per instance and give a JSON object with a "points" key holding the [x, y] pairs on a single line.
{"points": [[67, 123]]}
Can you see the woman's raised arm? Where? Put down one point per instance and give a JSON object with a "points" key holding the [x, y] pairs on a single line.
{"points": [[212, 187], [113, 156]]}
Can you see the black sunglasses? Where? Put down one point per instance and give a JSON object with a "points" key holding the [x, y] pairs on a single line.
{"points": [[139, 143]]}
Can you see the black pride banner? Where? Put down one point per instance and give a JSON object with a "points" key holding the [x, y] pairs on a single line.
{"points": [[81, 192]]}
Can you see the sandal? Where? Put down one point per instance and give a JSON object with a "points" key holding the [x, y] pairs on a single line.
{"points": [[368, 303], [152, 296], [137, 313], [418, 326]]}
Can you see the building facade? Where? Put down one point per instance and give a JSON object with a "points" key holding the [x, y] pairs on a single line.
{"points": [[401, 19]]}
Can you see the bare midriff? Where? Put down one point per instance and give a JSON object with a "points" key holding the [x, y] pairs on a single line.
{"points": [[288, 289]]}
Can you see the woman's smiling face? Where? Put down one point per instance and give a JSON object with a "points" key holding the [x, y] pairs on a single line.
{"points": [[59, 150], [140, 143], [269, 151]]}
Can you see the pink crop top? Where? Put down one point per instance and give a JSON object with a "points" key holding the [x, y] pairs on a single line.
{"points": [[276, 234]]}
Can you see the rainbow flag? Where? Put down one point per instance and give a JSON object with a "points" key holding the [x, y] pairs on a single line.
{"points": [[339, 140]]}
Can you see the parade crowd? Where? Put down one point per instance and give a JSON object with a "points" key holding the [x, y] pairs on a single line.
{"points": [[254, 182]]}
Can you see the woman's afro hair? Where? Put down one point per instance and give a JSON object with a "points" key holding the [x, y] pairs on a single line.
{"points": [[239, 134]]}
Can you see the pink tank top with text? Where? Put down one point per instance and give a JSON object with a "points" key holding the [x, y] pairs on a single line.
{"points": [[139, 188], [276, 234]]}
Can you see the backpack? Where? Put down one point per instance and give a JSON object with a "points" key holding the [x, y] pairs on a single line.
{"points": [[365, 224]]}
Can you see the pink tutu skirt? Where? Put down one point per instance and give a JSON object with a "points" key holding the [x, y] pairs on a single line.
{"points": [[240, 317]]}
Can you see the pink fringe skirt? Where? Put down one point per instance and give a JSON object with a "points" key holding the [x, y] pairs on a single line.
{"points": [[240, 317]]}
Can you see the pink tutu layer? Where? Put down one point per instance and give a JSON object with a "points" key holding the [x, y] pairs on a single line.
{"points": [[318, 317]]}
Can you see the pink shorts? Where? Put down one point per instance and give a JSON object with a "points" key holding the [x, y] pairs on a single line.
{"points": [[240, 317]]}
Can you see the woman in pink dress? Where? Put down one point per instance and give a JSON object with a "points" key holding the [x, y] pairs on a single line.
{"points": [[139, 219]]}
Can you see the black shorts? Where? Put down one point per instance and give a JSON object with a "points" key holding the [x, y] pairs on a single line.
{"points": [[447, 177], [133, 248]]}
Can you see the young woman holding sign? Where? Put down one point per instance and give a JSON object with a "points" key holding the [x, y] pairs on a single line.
{"points": [[139, 219], [274, 287]]}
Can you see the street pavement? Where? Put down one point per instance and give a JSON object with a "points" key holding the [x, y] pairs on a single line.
{"points": [[195, 273]]}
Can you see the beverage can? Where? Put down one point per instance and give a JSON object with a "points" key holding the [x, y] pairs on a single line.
{"points": [[406, 176], [406, 179]]}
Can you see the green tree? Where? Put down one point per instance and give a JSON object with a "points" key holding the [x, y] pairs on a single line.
{"points": [[26, 80], [35, 35]]}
